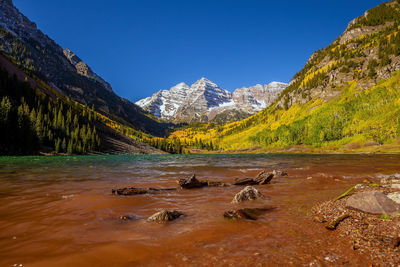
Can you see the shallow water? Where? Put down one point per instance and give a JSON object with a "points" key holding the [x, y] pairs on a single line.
{"points": [[59, 211]]}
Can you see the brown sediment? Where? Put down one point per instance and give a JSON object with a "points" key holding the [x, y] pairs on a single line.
{"points": [[65, 216]]}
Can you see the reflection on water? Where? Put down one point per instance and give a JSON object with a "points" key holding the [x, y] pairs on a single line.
{"points": [[59, 211]]}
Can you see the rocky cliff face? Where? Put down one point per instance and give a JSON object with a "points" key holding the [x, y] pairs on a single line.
{"points": [[38, 54], [83, 69], [258, 97], [205, 100], [367, 52]]}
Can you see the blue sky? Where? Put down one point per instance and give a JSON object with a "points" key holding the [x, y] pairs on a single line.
{"points": [[143, 46]]}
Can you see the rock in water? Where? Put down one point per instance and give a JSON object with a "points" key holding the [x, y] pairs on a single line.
{"points": [[247, 213], [245, 181], [128, 217], [279, 173], [373, 202], [248, 193], [165, 216], [191, 182], [264, 177], [129, 191], [216, 184]]}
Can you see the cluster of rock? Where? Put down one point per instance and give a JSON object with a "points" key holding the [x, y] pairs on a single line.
{"points": [[249, 193], [369, 215]]}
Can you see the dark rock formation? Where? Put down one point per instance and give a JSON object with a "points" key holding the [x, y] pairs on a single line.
{"points": [[264, 177], [191, 182]]}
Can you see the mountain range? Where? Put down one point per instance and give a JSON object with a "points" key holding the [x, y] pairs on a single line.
{"points": [[345, 98], [204, 101]]}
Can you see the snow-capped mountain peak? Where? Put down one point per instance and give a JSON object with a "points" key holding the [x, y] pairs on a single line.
{"points": [[205, 98]]}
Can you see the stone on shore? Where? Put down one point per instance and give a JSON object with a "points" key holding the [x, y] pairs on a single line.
{"points": [[373, 202], [336, 221], [191, 182], [395, 196], [248, 193], [393, 179], [165, 216]]}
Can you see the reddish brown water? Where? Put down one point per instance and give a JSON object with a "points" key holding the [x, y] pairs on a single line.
{"points": [[59, 211]]}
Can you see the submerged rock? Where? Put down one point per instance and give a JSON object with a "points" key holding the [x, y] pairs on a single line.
{"points": [[373, 202], [165, 216], [191, 182], [246, 213], [128, 217], [216, 184], [279, 173], [248, 193], [128, 191]]}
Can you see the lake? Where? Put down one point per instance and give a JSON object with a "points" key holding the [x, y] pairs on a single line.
{"points": [[59, 211]]}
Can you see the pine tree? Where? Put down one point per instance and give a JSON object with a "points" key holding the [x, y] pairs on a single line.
{"points": [[76, 120], [69, 148], [64, 145], [57, 145]]}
